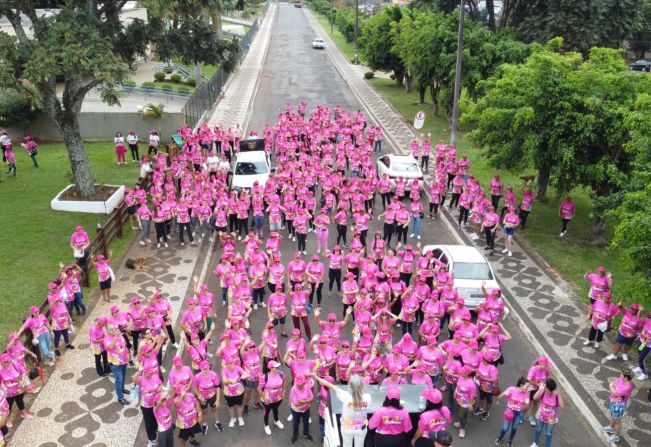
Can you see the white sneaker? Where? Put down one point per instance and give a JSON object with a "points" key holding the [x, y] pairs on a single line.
{"points": [[412, 235], [231, 423], [263, 304], [611, 357], [505, 250], [310, 420], [279, 425], [642, 377], [457, 424], [533, 444], [318, 251], [241, 421], [239, 238], [562, 234], [176, 345], [267, 430], [142, 243], [510, 254], [418, 237], [290, 417], [596, 345], [167, 245], [637, 370], [462, 433], [255, 307], [625, 357], [158, 245], [149, 241], [182, 244], [586, 343]]}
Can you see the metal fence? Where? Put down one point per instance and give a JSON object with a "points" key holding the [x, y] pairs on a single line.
{"points": [[205, 96]]}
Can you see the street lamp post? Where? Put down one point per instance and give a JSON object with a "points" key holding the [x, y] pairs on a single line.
{"points": [[457, 76], [356, 59]]}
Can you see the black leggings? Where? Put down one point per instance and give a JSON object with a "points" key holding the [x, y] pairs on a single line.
{"points": [[401, 232], [463, 214], [386, 199], [424, 164], [188, 228], [151, 426], [523, 217], [595, 333], [19, 401], [57, 337], [170, 332], [135, 156], [290, 227], [301, 241], [232, 222], [389, 228], [243, 226], [433, 208], [490, 237], [454, 201], [296, 422], [565, 222], [334, 275], [317, 288], [341, 233], [268, 408], [161, 231], [101, 363]]}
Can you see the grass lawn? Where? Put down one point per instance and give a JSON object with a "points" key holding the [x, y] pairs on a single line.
{"points": [[347, 48], [34, 237], [159, 85], [571, 256]]}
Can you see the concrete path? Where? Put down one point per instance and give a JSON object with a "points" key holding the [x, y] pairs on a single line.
{"points": [[234, 107], [545, 307]]}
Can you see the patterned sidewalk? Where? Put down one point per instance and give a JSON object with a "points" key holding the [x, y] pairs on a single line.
{"points": [[234, 107], [544, 306]]}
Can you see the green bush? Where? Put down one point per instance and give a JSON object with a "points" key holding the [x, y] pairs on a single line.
{"points": [[392, 76], [159, 76], [183, 88], [191, 81], [369, 75], [167, 87], [15, 108], [128, 83], [176, 78], [148, 85]]}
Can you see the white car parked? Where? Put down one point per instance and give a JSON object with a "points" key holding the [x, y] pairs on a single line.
{"points": [[400, 166], [469, 268], [250, 167], [318, 43]]}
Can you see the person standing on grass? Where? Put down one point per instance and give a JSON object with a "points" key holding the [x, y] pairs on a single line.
{"points": [[41, 332], [154, 142], [628, 331], [566, 211], [620, 392], [600, 282], [13, 380], [120, 148], [11, 161], [104, 274], [547, 417], [31, 147], [526, 206], [510, 223], [132, 141], [79, 242]]}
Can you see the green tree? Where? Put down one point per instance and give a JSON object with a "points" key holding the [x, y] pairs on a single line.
{"points": [[377, 42], [564, 117]]}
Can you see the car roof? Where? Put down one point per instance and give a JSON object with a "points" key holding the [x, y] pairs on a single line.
{"points": [[402, 158], [460, 253], [319, 39], [251, 156]]}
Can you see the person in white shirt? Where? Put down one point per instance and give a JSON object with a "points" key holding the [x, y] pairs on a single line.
{"points": [[213, 162], [354, 412], [154, 142], [5, 142], [132, 141]]}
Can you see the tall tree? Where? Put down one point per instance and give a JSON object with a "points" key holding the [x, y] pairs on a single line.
{"points": [[377, 42]]}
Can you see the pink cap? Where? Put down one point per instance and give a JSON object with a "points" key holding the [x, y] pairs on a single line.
{"points": [[433, 395], [79, 229], [299, 379], [5, 358], [467, 370], [601, 269], [33, 310], [114, 309], [332, 316], [273, 364], [204, 364], [177, 360], [544, 361], [52, 286], [192, 302], [393, 392], [135, 300], [102, 321], [296, 331]]}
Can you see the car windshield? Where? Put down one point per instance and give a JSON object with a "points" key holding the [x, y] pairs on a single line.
{"points": [[251, 168], [472, 270], [404, 166]]}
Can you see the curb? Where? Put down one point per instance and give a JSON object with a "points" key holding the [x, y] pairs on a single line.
{"points": [[579, 402]]}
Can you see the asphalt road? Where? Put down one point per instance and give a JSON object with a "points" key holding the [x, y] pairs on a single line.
{"points": [[293, 72]]}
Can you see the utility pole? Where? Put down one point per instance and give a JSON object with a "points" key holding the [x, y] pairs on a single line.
{"points": [[332, 15], [356, 59], [457, 76]]}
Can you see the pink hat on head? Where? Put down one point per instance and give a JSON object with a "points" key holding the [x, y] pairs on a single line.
{"points": [[332, 316], [79, 229], [192, 302], [433, 395], [601, 269], [100, 257], [296, 331], [467, 370], [5, 358], [634, 307], [472, 344], [204, 364], [114, 309], [52, 286], [135, 300], [102, 321], [299, 379], [33, 310], [177, 360], [393, 392], [273, 364], [543, 361]]}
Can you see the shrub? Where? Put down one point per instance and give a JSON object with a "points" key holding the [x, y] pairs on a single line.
{"points": [[159, 76], [129, 83], [392, 76], [175, 78], [183, 88], [148, 85], [15, 108], [369, 75], [191, 81], [167, 87]]}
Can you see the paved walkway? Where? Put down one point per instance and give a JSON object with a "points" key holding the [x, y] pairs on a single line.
{"points": [[545, 307], [234, 107]]}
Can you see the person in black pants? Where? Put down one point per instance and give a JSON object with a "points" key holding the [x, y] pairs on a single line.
{"points": [[97, 334], [490, 224], [301, 397]]}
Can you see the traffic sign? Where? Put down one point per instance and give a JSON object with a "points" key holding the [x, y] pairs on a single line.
{"points": [[419, 120]]}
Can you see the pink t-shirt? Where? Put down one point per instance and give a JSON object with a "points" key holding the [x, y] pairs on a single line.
{"points": [[163, 415], [465, 391], [180, 377], [149, 387], [623, 390], [518, 399], [434, 420], [297, 395], [235, 375], [187, 415], [390, 421], [206, 384], [38, 325], [272, 384]]}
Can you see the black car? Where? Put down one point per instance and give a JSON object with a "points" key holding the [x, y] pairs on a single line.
{"points": [[640, 65]]}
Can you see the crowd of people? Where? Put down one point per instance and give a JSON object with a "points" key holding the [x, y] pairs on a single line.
{"points": [[9, 156], [402, 321]]}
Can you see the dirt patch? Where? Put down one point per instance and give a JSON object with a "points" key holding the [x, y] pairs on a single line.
{"points": [[102, 194]]}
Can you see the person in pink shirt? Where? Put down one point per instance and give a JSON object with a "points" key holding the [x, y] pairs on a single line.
{"points": [[600, 282], [12, 381], [510, 224], [547, 417], [601, 314], [489, 227], [301, 397], [629, 329], [620, 392], [252, 365], [435, 417], [233, 378], [150, 386], [315, 272], [104, 273], [465, 393], [38, 325], [299, 302], [526, 206], [188, 416], [518, 400], [321, 223], [205, 386], [165, 420], [79, 242], [391, 422], [566, 211], [332, 329], [487, 375], [272, 386], [118, 357], [496, 187]]}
